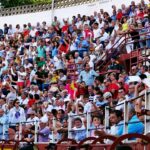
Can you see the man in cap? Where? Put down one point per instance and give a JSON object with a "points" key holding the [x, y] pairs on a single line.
{"points": [[108, 98], [32, 119], [44, 131]]}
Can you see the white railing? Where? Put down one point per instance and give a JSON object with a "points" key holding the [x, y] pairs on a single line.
{"points": [[88, 121], [41, 7]]}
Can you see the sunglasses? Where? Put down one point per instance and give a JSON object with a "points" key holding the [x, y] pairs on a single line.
{"points": [[108, 97]]}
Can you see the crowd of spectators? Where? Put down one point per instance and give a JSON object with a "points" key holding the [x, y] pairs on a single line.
{"points": [[49, 71]]}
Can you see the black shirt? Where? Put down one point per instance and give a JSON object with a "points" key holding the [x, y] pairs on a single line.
{"points": [[40, 75]]}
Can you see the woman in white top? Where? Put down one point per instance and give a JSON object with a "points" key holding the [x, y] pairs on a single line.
{"points": [[16, 114], [21, 77]]}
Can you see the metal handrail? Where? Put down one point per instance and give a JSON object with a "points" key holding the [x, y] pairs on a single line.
{"points": [[88, 128], [124, 41]]}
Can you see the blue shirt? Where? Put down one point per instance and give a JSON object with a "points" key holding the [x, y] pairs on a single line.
{"points": [[101, 103], [84, 45], [79, 134], [135, 125], [88, 77], [113, 17], [3, 120], [41, 51], [54, 51], [120, 126]]}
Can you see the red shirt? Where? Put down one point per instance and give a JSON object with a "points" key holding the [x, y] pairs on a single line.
{"points": [[65, 28], [26, 32], [113, 86], [64, 48], [126, 88], [81, 91], [140, 15], [31, 102], [88, 33], [119, 16]]}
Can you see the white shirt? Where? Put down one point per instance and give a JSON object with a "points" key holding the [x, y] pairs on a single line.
{"points": [[92, 57], [101, 25], [109, 46], [32, 121], [25, 101], [64, 78], [91, 64], [18, 30], [86, 22], [11, 31], [97, 33], [11, 96], [21, 76], [33, 33], [78, 24], [35, 92], [32, 74], [12, 115], [147, 74], [73, 47], [87, 107], [104, 37], [9, 55], [58, 64], [27, 65], [48, 108]]}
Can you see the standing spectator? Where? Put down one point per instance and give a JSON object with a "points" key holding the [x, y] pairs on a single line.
{"points": [[88, 75]]}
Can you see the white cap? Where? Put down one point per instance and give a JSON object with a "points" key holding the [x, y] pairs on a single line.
{"points": [[44, 119], [107, 94]]}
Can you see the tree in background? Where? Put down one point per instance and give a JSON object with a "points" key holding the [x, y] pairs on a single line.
{"points": [[14, 3]]}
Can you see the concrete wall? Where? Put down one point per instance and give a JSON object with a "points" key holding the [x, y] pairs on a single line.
{"points": [[68, 12]]}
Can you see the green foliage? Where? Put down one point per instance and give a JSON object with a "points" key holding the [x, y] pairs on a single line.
{"points": [[14, 3]]}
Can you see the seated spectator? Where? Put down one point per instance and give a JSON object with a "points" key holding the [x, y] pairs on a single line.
{"points": [[78, 130], [114, 65], [44, 131], [116, 127], [111, 87], [96, 125], [100, 101], [121, 99], [134, 124], [31, 119]]}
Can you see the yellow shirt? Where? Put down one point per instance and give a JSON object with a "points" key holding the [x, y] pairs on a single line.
{"points": [[125, 27], [54, 78]]}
